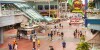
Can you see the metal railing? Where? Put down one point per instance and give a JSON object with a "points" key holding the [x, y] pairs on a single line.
{"points": [[11, 12]]}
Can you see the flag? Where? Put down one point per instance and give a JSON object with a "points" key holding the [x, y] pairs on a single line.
{"points": [[49, 7], [70, 2]]}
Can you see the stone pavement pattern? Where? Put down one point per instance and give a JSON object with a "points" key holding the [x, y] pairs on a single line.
{"points": [[71, 42]]}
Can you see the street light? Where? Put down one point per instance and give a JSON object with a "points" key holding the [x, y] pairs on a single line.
{"points": [[49, 7]]}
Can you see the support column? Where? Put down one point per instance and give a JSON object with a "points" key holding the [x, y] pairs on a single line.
{"points": [[1, 35], [0, 9], [85, 15]]}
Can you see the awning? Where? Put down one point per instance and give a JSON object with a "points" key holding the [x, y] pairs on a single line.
{"points": [[95, 39], [35, 26], [94, 26], [48, 18], [27, 28]]}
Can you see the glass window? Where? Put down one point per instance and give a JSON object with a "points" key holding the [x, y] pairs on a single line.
{"points": [[51, 6], [63, 4], [40, 7], [56, 7], [46, 7]]}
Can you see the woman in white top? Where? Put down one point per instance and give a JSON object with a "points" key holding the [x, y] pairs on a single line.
{"points": [[16, 46]]}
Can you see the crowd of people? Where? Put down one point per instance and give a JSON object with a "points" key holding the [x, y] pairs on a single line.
{"points": [[56, 31], [77, 33], [13, 46]]}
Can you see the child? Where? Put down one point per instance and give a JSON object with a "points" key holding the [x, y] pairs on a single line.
{"points": [[38, 41]]}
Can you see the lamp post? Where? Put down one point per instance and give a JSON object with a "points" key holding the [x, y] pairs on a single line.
{"points": [[65, 7], [49, 7], [0, 9]]}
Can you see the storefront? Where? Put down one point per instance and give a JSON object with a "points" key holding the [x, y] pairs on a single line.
{"points": [[76, 20]]}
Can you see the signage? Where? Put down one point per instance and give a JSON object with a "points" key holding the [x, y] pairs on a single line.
{"points": [[77, 5]]}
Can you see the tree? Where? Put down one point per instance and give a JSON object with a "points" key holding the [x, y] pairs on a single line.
{"points": [[91, 5], [82, 44]]}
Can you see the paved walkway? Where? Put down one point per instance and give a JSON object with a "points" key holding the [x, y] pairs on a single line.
{"points": [[71, 42]]}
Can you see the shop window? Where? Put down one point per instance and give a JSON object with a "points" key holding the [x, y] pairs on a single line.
{"points": [[56, 7], [51, 6], [40, 7], [46, 7]]}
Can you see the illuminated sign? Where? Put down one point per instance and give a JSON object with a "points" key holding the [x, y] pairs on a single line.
{"points": [[77, 4]]}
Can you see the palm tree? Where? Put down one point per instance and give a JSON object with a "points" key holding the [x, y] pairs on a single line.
{"points": [[83, 45], [91, 5]]}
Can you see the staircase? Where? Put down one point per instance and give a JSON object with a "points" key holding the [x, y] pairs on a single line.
{"points": [[29, 11]]}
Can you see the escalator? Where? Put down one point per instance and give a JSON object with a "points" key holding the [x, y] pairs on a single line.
{"points": [[29, 11]]}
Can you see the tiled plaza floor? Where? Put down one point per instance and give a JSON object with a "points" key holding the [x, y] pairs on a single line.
{"points": [[24, 44]]}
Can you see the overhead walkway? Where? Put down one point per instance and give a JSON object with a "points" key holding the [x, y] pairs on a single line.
{"points": [[27, 9], [12, 1]]}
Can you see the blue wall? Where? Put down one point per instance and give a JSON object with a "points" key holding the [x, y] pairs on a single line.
{"points": [[92, 21]]}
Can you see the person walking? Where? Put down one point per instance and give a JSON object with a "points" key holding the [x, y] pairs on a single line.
{"points": [[16, 46], [18, 34], [74, 34], [35, 36], [62, 34], [55, 27], [78, 34], [48, 36], [76, 30], [81, 33], [54, 31], [31, 37], [51, 36], [64, 45], [69, 24], [60, 25], [10, 46], [34, 44], [57, 33], [38, 42], [51, 48], [14, 42]]}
